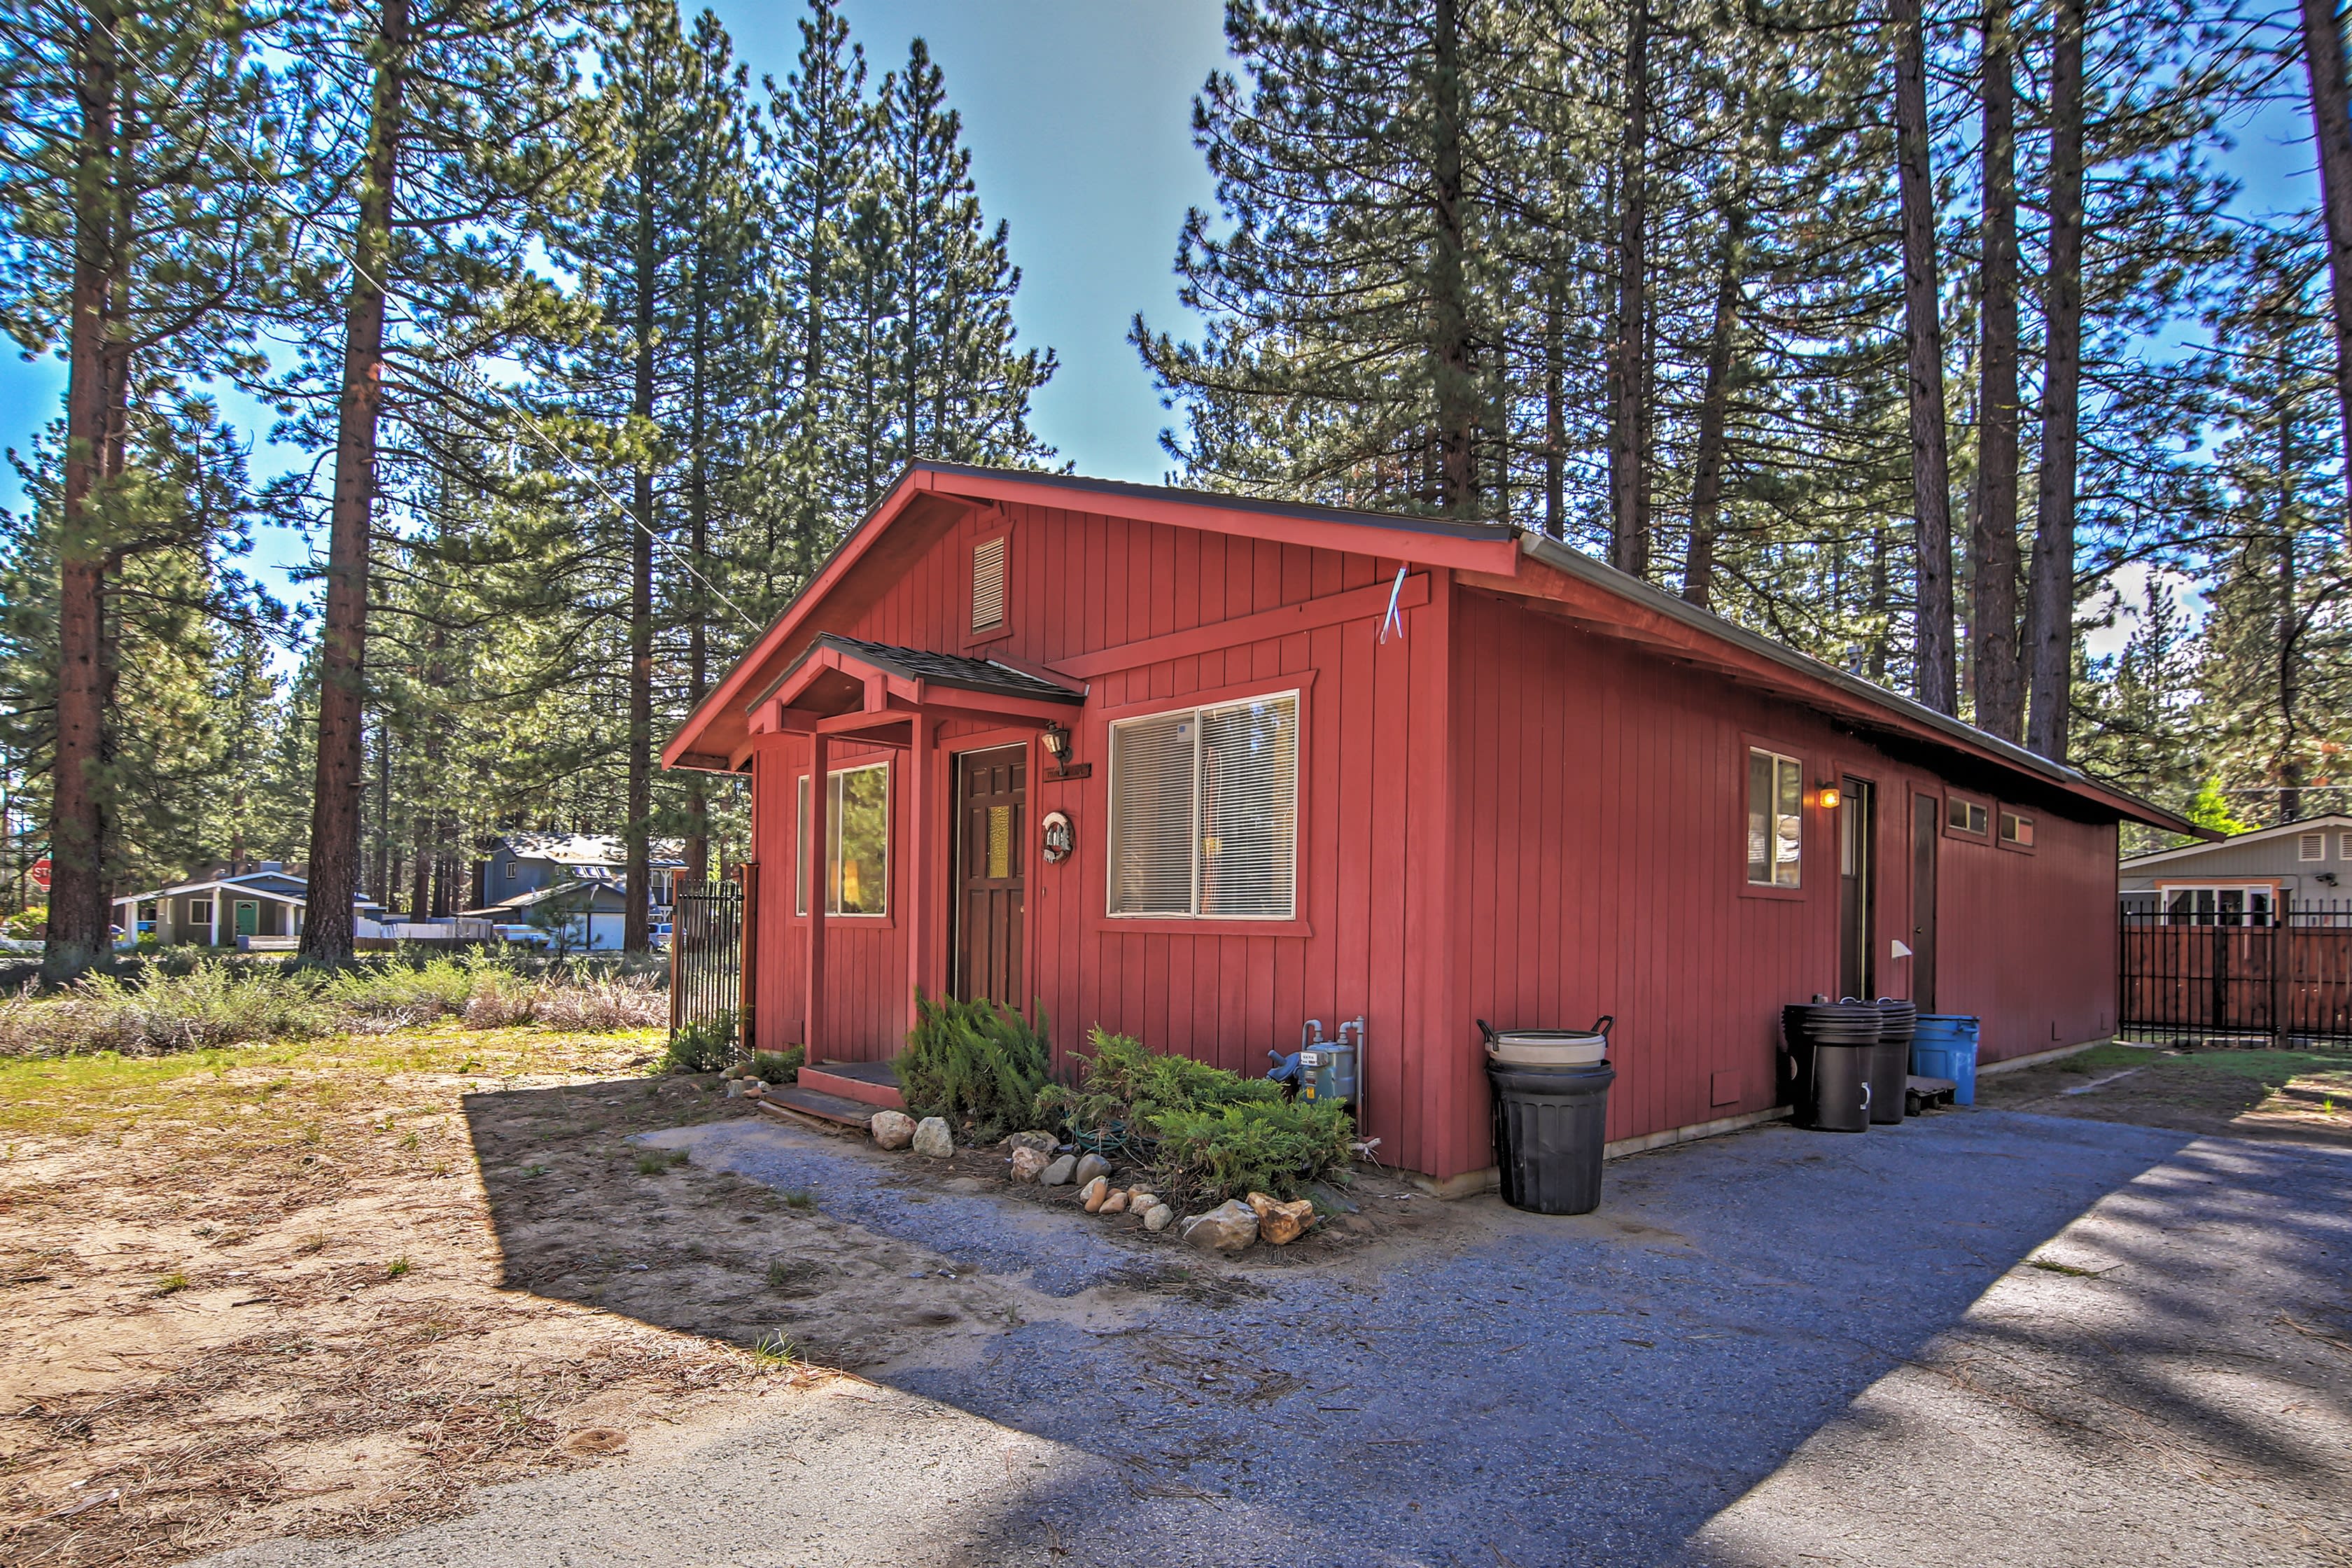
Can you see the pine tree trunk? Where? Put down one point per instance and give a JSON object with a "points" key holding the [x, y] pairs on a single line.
{"points": [[1992, 541], [1714, 415], [76, 936], [2050, 595], [1555, 523], [1457, 396], [1933, 675], [2331, 124], [420, 886], [382, 879], [2288, 767], [697, 505], [1629, 526], [636, 871], [327, 930]]}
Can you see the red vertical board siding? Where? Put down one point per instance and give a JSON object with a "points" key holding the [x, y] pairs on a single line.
{"points": [[1630, 784], [1500, 816]]}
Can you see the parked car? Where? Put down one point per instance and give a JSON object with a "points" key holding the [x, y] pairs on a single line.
{"points": [[523, 936]]}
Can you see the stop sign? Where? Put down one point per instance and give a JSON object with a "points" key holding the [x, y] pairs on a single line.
{"points": [[41, 873]]}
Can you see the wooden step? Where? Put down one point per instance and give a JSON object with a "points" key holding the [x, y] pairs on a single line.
{"points": [[792, 1102], [870, 1083]]}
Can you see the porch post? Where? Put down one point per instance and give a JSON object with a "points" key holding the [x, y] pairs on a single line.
{"points": [[217, 904], [916, 835], [813, 1017]]}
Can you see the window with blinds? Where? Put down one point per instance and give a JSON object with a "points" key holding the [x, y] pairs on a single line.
{"points": [[1204, 812], [988, 585]]}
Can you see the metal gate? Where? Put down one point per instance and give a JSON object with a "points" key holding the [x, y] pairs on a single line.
{"points": [[706, 952], [2253, 977]]}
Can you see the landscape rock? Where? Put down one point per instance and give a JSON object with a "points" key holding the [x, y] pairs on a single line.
{"points": [[892, 1129], [1090, 1167], [754, 1089], [1160, 1217], [1115, 1204], [1093, 1193], [1231, 1226], [1281, 1224], [1058, 1173], [1142, 1200], [1041, 1142], [1027, 1164], [933, 1138]]}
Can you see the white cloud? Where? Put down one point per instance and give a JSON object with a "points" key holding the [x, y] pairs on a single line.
{"points": [[2123, 598]]}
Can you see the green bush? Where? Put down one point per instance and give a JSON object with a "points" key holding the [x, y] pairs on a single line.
{"points": [[1126, 1084], [976, 1064], [1261, 1146], [1210, 1134], [707, 1045], [778, 1066]]}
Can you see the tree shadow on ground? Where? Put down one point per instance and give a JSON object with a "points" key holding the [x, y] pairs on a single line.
{"points": [[1505, 1388]]}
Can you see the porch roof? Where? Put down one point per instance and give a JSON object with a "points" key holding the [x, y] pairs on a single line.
{"points": [[842, 683]]}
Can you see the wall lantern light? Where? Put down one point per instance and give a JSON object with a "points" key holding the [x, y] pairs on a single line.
{"points": [[1056, 742], [1830, 797]]}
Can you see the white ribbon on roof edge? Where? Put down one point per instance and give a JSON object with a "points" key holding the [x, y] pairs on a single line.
{"points": [[1395, 617]]}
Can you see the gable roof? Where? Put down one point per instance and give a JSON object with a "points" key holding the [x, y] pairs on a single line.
{"points": [[2329, 822], [931, 669], [279, 886], [928, 497]]}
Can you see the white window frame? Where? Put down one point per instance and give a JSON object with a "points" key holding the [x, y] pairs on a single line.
{"points": [[200, 911], [833, 826], [1773, 858], [2247, 891], [1296, 696]]}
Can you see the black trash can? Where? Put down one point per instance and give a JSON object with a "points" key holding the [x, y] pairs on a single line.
{"points": [[1890, 1062], [1550, 1123], [1831, 1052]]}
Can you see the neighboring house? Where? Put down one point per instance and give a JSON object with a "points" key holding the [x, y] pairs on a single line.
{"points": [[522, 863], [584, 916], [264, 905], [2249, 876], [1200, 768]]}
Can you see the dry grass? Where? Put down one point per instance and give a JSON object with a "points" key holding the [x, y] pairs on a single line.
{"points": [[258, 1291]]}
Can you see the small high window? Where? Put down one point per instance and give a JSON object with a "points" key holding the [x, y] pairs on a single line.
{"points": [[1776, 819], [1204, 812], [988, 585], [856, 842], [2017, 829], [1965, 816]]}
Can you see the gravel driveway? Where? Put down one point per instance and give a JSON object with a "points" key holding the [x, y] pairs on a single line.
{"points": [[1986, 1338]]}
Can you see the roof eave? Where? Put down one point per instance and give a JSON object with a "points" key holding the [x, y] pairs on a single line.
{"points": [[1915, 714]]}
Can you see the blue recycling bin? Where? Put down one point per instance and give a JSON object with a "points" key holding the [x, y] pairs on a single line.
{"points": [[1943, 1045]]}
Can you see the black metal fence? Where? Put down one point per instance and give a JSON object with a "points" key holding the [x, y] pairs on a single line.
{"points": [[706, 952], [2277, 976]]}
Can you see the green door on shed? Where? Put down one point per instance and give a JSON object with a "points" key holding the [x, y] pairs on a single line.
{"points": [[248, 917]]}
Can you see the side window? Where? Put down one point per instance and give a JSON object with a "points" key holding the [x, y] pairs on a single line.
{"points": [[2016, 830], [1204, 813], [1776, 819], [1968, 816]]}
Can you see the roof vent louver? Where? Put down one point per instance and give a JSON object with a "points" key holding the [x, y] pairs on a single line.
{"points": [[988, 585], [2311, 847]]}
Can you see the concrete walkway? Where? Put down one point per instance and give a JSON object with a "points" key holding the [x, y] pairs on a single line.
{"points": [[1981, 1339]]}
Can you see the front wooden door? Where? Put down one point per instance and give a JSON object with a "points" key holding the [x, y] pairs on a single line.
{"points": [[991, 793]]}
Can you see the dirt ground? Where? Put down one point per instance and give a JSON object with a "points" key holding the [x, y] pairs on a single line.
{"points": [[328, 1290], [2296, 1096]]}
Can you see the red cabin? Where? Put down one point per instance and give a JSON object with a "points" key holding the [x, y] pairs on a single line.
{"points": [[1200, 768]]}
